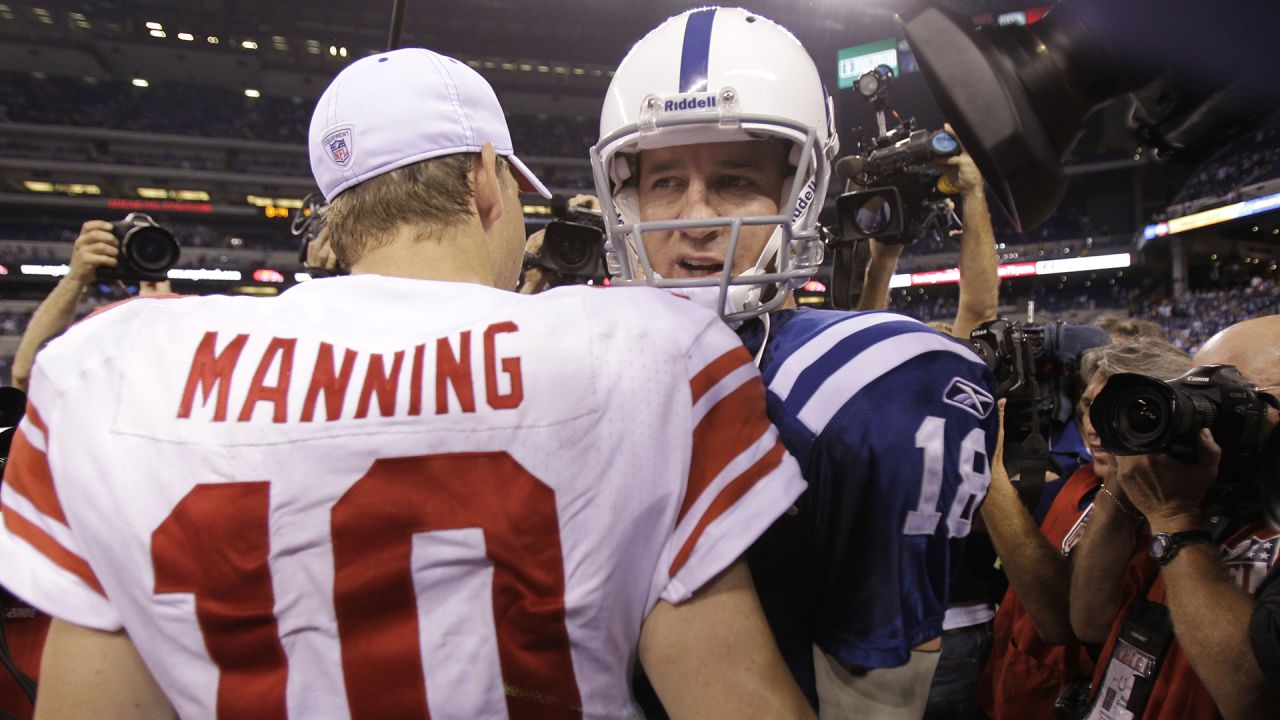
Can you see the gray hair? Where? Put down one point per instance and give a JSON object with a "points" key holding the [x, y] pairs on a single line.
{"points": [[1122, 328], [1147, 356]]}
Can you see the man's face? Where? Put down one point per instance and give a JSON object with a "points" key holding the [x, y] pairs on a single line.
{"points": [[694, 182], [1104, 465]]}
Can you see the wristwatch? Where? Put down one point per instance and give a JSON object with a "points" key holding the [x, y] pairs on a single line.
{"points": [[1164, 546]]}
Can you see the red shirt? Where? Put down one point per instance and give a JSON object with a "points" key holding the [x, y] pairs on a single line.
{"points": [[1178, 694], [1025, 674]]}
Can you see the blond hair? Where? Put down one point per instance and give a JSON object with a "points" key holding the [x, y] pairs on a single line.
{"points": [[436, 193]]}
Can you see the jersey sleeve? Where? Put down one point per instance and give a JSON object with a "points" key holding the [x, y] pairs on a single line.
{"points": [[44, 562], [740, 477], [900, 465]]}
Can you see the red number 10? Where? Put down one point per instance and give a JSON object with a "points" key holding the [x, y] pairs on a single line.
{"points": [[215, 544]]}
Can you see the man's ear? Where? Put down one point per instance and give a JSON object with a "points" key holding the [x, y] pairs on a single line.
{"points": [[486, 187]]}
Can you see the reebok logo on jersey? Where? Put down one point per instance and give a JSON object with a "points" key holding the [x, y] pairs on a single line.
{"points": [[967, 396]]}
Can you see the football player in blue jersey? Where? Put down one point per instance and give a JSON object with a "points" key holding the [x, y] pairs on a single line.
{"points": [[716, 147]]}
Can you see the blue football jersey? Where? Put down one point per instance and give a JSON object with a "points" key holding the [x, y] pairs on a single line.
{"points": [[894, 426]]}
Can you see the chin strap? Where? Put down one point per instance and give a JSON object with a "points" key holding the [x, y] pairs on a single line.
{"points": [[764, 340]]}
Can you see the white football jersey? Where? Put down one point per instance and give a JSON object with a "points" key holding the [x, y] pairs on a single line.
{"points": [[376, 497]]}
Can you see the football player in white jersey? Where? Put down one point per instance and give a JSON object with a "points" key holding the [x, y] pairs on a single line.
{"points": [[405, 492], [715, 151]]}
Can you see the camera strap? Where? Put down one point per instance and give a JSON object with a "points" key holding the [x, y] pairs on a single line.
{"points": [[1033, 464]]}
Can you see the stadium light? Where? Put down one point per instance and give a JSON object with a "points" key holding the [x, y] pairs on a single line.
{"points": [[250, 92], [154, 26], [248, 45], [186, 36], [139, 82], [212, 40], [158, 34], [333, 51], [342, 51]]}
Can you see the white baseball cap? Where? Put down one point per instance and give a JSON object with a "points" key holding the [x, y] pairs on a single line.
{"points": [[389, 110]]}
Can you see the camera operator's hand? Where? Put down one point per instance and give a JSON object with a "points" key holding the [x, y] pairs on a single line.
{"points": [[96, 247], [1167, 491], [583, 201], [962, 172], [535, 279], [320, 255]]}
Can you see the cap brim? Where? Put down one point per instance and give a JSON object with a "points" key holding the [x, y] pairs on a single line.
{"points": [[526, 179]]}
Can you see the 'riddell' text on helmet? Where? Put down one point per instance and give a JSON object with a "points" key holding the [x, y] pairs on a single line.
{"points": [[718, 75]]}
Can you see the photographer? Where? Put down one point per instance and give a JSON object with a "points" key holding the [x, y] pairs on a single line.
{"points": [[979, 283], [1035, 655], [96, 247], [1176, 622]]}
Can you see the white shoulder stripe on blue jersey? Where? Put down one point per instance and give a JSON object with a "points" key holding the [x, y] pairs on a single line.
{"points": [[806, 355], [866, 367]]}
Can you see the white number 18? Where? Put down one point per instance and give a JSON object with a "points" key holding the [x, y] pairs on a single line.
{"points": [[931, 438]]}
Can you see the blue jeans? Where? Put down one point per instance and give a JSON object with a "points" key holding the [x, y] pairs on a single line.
{"points": [[954, 693]]}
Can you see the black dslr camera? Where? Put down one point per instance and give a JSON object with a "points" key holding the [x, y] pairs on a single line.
{"points": [[1036, 361], [1138, 415], [896, 192], [1036, 369], [147, 251], [573, 247]]}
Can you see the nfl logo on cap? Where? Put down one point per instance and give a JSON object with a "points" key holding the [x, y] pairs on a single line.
{"points": [[338, 144]]}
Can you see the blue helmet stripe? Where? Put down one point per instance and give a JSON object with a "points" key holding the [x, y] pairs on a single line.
{"points": [[696, 51]]}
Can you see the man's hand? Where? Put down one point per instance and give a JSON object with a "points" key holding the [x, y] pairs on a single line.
{"points": [[1167, 491], [536, 279], [320, 255], [96, 247], [962, 172], [583, 201]]}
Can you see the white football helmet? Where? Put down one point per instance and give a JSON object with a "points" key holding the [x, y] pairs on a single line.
{"points": [[718, 75]]}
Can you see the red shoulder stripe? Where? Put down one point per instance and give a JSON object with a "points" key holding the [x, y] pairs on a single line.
{"points": [[28, 473], [730, 427], [731, 494], [52, 549], [716, 370]]}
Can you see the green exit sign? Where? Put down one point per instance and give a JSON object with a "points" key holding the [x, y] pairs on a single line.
{"points": [[852, 63]]}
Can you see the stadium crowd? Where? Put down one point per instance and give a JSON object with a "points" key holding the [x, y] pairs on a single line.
{"points": [[697, 500], [216, 111]]}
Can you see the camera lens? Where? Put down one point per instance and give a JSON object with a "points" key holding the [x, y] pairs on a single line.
{"points": [[1143, 416], [874, 215], [572, 252], [151, 249]]}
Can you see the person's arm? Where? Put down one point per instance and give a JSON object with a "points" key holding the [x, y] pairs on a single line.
{"points": [[95, 247], [1098, 564], [1039, 574], [1210, 612], [713, 655], [881, 265], [92, 674], [979, 283]]}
